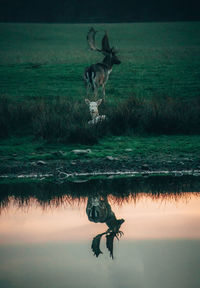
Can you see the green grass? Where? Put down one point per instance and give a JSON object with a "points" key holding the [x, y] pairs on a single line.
{"points": [[42, 62], [28, 149], [157, 59]]}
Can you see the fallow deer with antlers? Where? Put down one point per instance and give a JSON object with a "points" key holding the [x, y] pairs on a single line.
{"points": [[97, 74]]}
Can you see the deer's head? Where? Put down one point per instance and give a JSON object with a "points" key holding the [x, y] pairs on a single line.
{"points": [[114, 59], [111, 59], [109, 53], [93, 107]]}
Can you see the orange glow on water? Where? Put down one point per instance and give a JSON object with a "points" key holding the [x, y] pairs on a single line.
{"points": [[146, 218]]}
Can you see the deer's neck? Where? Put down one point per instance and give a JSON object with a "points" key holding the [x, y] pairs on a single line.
{"points": [[94, 115], [107, 61], [111, 220]]}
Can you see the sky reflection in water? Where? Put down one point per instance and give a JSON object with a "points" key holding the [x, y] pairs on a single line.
{"points": [[146, 219], [50, 245]]}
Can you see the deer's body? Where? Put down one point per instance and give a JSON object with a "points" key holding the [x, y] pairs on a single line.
{"points": [[97, 74], [98, 210]]}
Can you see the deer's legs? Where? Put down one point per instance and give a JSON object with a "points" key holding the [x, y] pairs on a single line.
{"points": [[104, 92], [95, 91], [95, 94], [88, 89]]}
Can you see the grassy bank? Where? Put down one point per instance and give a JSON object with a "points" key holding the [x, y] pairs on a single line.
{"points": [[154, 92], [160, 147]]}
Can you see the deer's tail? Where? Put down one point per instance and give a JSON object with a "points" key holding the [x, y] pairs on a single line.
{"points": [[90, 77]]}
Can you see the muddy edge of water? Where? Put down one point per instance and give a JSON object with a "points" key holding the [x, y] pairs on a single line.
{"points": [[103, 165]]}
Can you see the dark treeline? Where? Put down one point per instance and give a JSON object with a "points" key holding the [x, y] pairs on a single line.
{"points": [[80, 11]]}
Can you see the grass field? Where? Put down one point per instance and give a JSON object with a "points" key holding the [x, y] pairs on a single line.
{"points": [[157, 59], [41, 63], [28, 149]]}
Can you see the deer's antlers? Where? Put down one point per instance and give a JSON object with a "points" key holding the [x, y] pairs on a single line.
{"points": [[91, 39], [96, 244], [105, 42]]}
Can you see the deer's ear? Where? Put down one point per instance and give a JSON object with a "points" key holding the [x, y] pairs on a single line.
{"points": [[99, 102], [87, 102]]}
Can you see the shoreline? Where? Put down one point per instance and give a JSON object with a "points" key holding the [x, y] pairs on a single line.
{"points": [[63, 169]]}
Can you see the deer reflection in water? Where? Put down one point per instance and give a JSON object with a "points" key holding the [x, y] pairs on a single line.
{"points": [[99, 211]]}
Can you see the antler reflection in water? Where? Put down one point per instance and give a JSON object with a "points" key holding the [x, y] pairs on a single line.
{"points": [[96, 244]]}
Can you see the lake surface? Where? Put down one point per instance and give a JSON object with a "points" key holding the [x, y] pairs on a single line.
{"points": [[147, 230]]}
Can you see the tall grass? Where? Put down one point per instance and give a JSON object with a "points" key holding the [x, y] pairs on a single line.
{"points": [[14, 117], [63, 121], [157, 115]]}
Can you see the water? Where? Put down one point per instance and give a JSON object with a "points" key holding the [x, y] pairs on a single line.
{"points": [[148, 231]]}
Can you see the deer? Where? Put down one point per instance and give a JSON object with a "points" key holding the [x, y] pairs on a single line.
{"points": [[99, 211], [93, 107], [96, 75]]}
